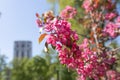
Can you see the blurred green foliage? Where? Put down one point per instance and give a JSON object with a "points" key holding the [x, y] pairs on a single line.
{"points": [[31, 69], [46, 67], [2, 65]]}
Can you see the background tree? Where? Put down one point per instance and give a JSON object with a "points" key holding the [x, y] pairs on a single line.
{"points": [[18, 71], [30, 69], [38, 69], [2, 65], [2, 62]]}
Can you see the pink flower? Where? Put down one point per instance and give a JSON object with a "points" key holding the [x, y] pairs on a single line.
{"points": [[37, 15], [58, 47], [48, 27], [110, 29], [87, 5], [51, 40], [39, 22], [110, 16], [68, 13], [113, 75], [109, 5], [110, 61], [84, 44], [75, 36], [118, 21]]}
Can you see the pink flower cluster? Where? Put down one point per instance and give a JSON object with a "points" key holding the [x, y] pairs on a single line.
{"points": [[81, 57], [68, 13], [87, 5], [113, 75], [118, 21], [38, 21], [90, 5], [110, 16], [64, 39], [90, 64], [110, 5], [110, 29], [61, 33], [78, 57]]}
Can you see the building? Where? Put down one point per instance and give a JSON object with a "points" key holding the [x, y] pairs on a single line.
{"points": [[22, 49]]}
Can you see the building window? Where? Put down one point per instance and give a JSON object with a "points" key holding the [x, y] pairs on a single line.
{"points": [[22, 54], [28, 54], [23, 45], [17, 53], [17, 45]]}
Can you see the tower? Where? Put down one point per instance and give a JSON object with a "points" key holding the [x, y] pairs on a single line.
{"points": [[22, 49]]}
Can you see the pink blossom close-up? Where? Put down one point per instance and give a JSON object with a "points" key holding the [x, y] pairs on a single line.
{"points": [[68, 13], [87, 5], [110, 16], [118, 21], [113, 75], [110, 29], [90, 58]]}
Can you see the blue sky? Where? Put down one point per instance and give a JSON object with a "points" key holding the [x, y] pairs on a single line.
{"points": [[18, 23]]}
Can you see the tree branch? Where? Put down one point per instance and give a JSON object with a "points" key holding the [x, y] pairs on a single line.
{"points": [[116, 50]]}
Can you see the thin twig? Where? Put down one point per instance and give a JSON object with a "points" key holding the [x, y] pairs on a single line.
{"points": [[116, 50]]}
